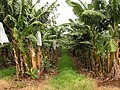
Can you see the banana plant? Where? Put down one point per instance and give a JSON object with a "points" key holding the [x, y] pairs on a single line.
{"points": [[22, 22], [91, 18], [101, 19]]}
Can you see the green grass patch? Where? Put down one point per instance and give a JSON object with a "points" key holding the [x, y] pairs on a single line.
{"points": [[7, 72], [65, 63], [68, 79]]}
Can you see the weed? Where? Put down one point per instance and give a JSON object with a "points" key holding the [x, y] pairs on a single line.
{"points": [[7, 72]]}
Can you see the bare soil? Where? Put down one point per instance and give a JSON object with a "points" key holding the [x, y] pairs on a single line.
{"points": [[28, 84]]}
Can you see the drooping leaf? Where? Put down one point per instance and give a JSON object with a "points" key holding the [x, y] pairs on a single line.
{"points": [[92, 17], [77, 8], [27, 30], [34, 71], [111, 45], [21, 45], [36, 76], [32, 38], [37, 23], [86, 42], [15, 33], [52, 36], [9, 21]]}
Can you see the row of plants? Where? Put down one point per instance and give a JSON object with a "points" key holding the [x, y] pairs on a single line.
{"points": [[94, 36], [21, 21]]}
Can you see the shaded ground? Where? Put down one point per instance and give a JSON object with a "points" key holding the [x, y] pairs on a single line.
{"points": [[68, 75], [101, 85], [113, 83]]}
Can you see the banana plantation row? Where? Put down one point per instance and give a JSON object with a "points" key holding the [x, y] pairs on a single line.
{"points": [[35, 39]]}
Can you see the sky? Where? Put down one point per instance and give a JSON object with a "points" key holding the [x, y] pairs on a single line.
{"points": [[64, 10]]}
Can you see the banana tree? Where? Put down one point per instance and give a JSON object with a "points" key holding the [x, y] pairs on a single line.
{"points": [[101, 19], [113, 15], [111, 25], [22, 22], [91, 18]]}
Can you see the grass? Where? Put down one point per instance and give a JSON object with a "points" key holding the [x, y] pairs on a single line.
{"points": [[65, 63], [68, 79], [7, 72]]}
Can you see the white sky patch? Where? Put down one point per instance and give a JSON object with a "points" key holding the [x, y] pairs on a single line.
{"points": [[65, 11]]}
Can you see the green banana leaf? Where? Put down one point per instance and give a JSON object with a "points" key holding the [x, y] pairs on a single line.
{"points": [[77, 8], [111, 45]]}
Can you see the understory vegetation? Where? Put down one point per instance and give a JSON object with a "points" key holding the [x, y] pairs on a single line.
{"points": [[8, 72]]}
